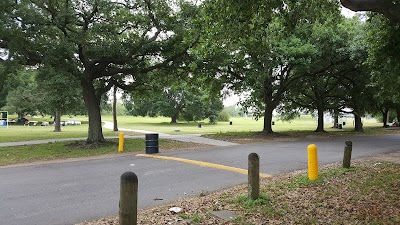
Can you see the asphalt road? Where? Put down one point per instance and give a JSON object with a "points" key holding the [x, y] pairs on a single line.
{"points": [[72, 192]]}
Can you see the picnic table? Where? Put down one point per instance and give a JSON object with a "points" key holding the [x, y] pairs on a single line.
{"points": [[71, 122], [27, 122]]}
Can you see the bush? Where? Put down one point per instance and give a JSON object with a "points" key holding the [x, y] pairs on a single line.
{"points": [[223, 116]]}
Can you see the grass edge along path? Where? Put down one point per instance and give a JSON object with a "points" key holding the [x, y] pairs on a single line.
{"points": [[367, 193], [76, 149]]}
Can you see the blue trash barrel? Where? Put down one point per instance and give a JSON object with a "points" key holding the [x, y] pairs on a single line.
{"points": [[151, 143]]}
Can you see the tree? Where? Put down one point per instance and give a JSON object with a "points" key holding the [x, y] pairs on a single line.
{"points": [[3, 77], [388, 8], [384, 62], [334, 72], [264, 47], [101, 43], [398, 113], [359, 92], [233, 111], [21, 92], [58, 94], [184, 100]]}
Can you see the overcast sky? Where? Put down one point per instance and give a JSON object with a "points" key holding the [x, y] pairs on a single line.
{"points": [[347, 12]]}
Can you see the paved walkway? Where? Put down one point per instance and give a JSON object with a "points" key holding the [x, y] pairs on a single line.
{"points": [[194, 138]]}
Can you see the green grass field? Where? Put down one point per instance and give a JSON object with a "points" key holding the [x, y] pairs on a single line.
{"points": [[162, 125], [242, 127], [239, 124], [27, 133]]}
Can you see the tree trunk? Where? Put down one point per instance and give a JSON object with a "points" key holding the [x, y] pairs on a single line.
{"points": [[398, 115], [385, 114], [388, 118], [92, 103], [174, 118], [268, 120], [270, 105], [358, 126], [320, 127], [57, 121], [336, 119], [115, 109]]}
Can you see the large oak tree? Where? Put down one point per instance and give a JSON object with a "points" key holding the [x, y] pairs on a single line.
{"points": [[187, 99], [99, 42], [262, 47]]}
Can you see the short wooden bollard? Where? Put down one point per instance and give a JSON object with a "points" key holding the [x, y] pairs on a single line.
{"points": [[254, 176], [347, 154], [121, 142], [312, 162], [128, 199]]}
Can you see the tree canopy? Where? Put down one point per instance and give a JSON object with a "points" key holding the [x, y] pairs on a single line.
{"points": [[22, 92], [383, 46], [288, 55], [100, 43], [184, 97], [262, 51]]}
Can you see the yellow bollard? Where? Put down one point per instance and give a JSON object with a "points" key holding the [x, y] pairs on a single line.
{"points": [[312, 162], [121, 142]]}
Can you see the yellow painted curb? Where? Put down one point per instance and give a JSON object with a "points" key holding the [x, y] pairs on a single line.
{"points": [[206, 164]]}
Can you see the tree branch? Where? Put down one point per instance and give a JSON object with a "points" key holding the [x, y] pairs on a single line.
{"points": [[230, 71], [389, 8]]}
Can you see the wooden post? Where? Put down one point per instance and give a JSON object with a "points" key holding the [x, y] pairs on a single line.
{"points": [[347, 154], [128, 199], [254, 176]]}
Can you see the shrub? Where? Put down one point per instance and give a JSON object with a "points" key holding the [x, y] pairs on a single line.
{"points": [[223, 116]]}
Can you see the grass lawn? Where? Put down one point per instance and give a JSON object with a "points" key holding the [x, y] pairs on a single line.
{"points": [[239, 124], [27, 133], [65, 150], [163, 125]]}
